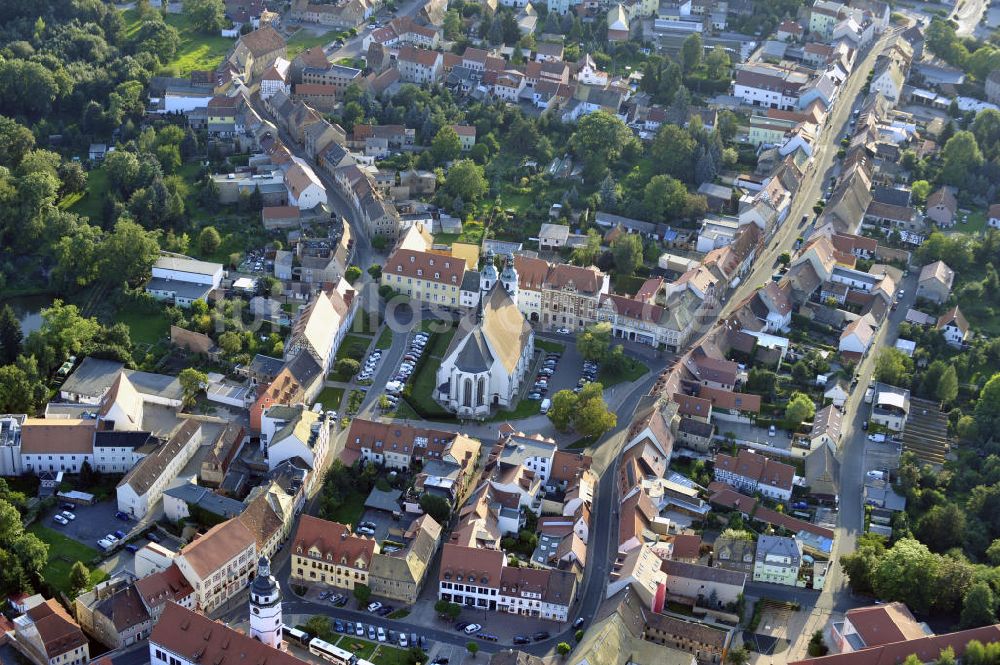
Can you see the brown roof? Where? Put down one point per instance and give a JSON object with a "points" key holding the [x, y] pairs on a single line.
{"points": [[464, 130], [727, 399], [695, 631], [334, 539], [280, 212], [954, 317], [696, 571], [707, 368], [125, 609], [48, 436], [939, 271], [483, 565], [145, 473], [634, 308], [315, 89], [926, 649], [687, 546], [885, 624], [757, 467], [690, 405], [166, 585], [263, 41], [945, 198], [421, 56], [261, 519], [217, 547], [725, 496], [586, 280], [314, 57], [407, 262], [197, 638], [57, 629], [397, 437], [531, 272], [566, 465]]}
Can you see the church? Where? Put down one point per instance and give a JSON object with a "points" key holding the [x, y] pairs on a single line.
{"points": [[491, 352]]}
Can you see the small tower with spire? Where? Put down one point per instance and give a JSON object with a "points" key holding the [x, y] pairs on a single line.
{"points": [[265, 606], [488, 275], [509, 277]]}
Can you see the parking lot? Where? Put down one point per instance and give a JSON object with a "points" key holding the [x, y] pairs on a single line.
{"points": [[92, 523], [385, 523], [882, 456]]}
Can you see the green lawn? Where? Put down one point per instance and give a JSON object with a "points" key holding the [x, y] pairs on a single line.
{"points": [[384, 338], [350, 510], [524, 409], [330, 398], [386, 655], [63, 553], [632, 371], [405, 412], [304, 39], [363, 649], [91, 203], [196, 51], [366, 323], [353, 346], [422, 388], [144, 327], [975, 225], [549, 347]]}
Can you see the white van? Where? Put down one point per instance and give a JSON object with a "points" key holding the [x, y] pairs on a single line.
{"points": [[546, 403]]}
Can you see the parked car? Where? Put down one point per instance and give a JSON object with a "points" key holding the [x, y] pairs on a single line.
{"points": [[323, 595], [59, 519], [340, 602], [111, 539], [105, 544], [67, 506], [120, 515], [374, 607], [132, 547], [461, 625], [472, 629], [562, 331], [578, 623], [541, 635], [371, 633], [403, 642], [68, 515], [120, 535], [381, 634], [338, 626], [153, 537], [521, 639], [359, 629]]}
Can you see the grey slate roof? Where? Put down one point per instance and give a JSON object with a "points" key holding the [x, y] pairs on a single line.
{"points": [[92, 377], [206, 500], [475, 356]]}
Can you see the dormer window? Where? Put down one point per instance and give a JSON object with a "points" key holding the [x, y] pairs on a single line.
{"points": [[437, 275], [420, 273], [432, 261], [412, 259], [399, 268]]}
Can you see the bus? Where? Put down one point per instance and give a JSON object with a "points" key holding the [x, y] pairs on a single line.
{"points": [[297, 635], [327, 651]]}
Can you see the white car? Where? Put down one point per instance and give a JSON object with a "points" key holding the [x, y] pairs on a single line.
{"points": [[473, 628], [60, 519], [374, 607], [111, 539], [402, 640], [68, 515], [561, 331], [105, 544], [381, 634]]}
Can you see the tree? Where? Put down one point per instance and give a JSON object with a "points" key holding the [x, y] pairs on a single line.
{"points": [[446, 145], [435, 506], [663, 199], [73, 178], [347, 367], [208, 15], [472, 648], [979, 606], [817, 647], [761, 381], [628, 254], [318, 626], [942, 527], [594, 343], [122, 169], [467, 180], [129, 252], [894, 367], [593, 418], [578, 635], [691, 51], [362, 593], [738, 656], [209, 240], [961, 160], [599, 140], [920, 189], [192, 382], [987, 411], [10, 335], [563, 649], [231, 343], [375, 271], [800, 408], [79, 579], [673, 151], [717, 64], [15, 141], [908, 572], [561, 411], [352, 274], [946, 657]]}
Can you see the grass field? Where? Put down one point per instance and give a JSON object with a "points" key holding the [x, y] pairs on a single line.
{"points": [[303, 39], [384, 338], [374, 652], [353, 346], [63, 553], [91, 203], [524, 409], [330, 398], [195, 51], [549, 347], [144, 327], [632, 371], [350, 510], [975, 224]]}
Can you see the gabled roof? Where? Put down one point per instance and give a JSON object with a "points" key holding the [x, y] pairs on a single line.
{"points": [[263, 41], [333, 540], [937, 271], [953, 317], [220, 544], [58, 631]]}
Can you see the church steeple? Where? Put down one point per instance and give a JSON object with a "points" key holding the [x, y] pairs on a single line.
{"points": [[509, 277], [488, 275], [265, 606]]}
